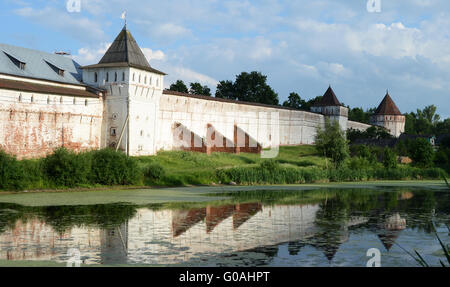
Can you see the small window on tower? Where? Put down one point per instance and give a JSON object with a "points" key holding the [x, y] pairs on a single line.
{"points": [[115, 77], [107, 76], [123, 76], [95, 77], [113, 132]]}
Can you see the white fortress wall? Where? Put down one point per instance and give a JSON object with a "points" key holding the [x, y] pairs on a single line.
{"points": [[33, 124], [357, 126], [293, 127]]}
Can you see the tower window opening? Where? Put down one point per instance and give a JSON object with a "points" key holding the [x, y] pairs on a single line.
{"points": [[95, 77]]}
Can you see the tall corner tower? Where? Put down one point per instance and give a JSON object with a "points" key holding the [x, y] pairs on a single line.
{"points": [[388, 115], [330, 107], [133, 91]]}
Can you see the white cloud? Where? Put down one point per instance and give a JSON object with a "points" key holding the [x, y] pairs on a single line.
{"points": [[89, 56], [153, 55], [80, 27]]}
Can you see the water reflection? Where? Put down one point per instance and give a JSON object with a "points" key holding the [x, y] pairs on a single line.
{"points": [[251, 228]]}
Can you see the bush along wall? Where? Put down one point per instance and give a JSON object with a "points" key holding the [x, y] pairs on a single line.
{"points": [[66, 169]]}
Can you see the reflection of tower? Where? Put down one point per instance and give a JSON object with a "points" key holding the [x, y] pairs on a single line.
{"points": [[390, 230], [114, 244]]}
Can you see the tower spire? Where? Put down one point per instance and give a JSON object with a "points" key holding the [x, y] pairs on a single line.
{"points": [[124, 17]]}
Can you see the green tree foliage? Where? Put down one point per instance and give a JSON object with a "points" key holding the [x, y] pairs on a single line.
{"points": [[389, 158], [249, 87], [179, 86], [372, 133], [198, 89], [421, 152], [331, 142], [294, 101], [359, 115], [426, 122], [225, 90]]}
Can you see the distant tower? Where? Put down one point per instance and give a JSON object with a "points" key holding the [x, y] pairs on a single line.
{"points": [[330, 107], [389, 116]]}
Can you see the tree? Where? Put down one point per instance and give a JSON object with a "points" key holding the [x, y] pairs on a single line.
{"points": [[179, 86], [421, 152], [225, 90], [294, 101], [359, 115], [198, 89], [389, 158], [332, 143], [253, 87]]}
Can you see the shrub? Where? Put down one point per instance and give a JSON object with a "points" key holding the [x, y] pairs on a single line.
{"points": [[66, 169], [421, 152], [331, 142], [11, 173], [270, 165], [110, 167], [389, 158], [154, 171]]}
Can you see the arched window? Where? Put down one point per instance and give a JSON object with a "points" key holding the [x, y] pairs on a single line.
{"points": [[86, 102], [115, 77], [123, 76], [95, 77], [107, 76]]}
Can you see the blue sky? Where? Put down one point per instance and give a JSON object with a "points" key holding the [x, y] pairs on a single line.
{"points": [[302, 46]]}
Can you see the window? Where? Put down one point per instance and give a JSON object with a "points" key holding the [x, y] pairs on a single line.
{"points": [[61, 100], [113, 132], [20, 98], [123, 76], [139, 79], [21, 65], [74, 101], [86, 102], [48, 100], [107, 76], [115, 77], [157, 82], [142, 133], [150, 80], [32, 98], [57, 70], [145, 80], [133, 77], [95, 77]]}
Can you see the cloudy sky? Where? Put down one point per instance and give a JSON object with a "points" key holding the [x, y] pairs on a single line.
{"points": [[301, 45]]}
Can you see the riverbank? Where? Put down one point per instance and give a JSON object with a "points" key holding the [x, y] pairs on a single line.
{"points": [[143, 196], [109, 170]]}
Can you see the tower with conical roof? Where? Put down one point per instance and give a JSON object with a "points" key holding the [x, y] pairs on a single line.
{"points": [[330, 106], [388, 115], [133, 92]]}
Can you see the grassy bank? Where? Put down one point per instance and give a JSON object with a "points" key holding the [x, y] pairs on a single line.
{"points": [[96, 169]]}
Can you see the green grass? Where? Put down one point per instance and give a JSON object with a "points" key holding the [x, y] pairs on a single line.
{"points": [[191, 168]]}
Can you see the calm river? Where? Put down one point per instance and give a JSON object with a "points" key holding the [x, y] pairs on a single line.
{"points": [[323, 227]]}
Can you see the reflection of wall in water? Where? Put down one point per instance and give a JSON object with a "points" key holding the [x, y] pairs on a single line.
{"points": [[171, 236], [36, 240]]}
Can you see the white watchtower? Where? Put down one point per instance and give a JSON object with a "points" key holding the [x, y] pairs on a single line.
{"points": [[133, 91]]}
